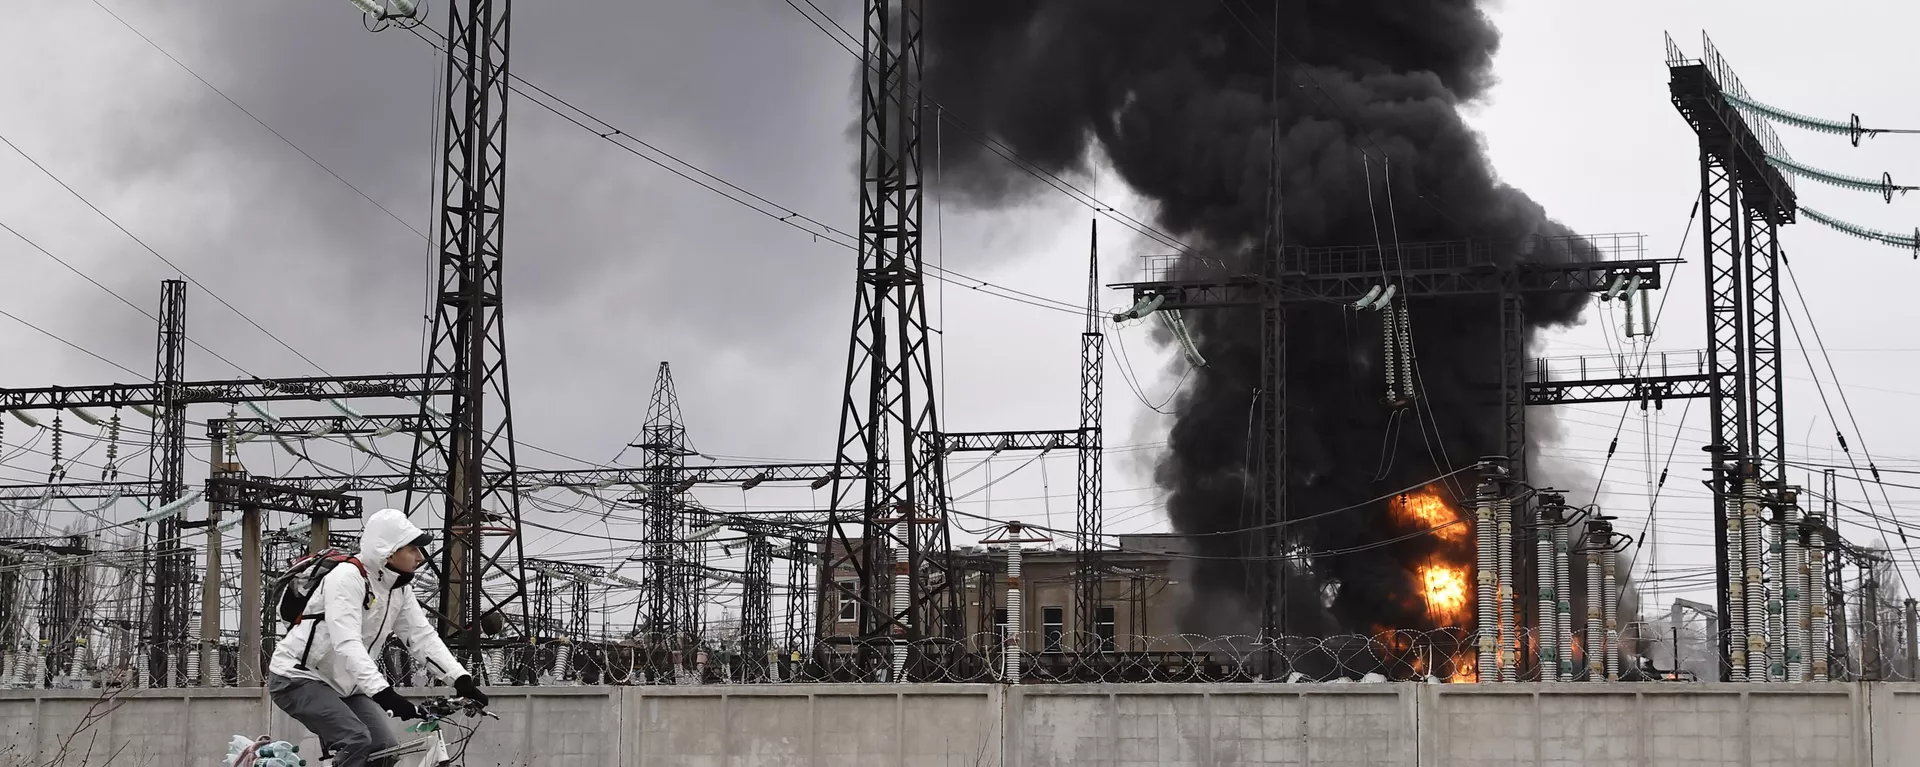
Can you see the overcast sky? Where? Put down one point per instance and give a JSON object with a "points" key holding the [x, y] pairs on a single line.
{"points": [[615, 265]]}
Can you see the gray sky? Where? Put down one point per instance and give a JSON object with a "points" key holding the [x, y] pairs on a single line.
{"points": [[615, 264]]}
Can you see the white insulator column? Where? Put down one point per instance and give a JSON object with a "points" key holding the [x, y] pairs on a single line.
{"points": [[1563, 602], [173, 669], [1817, 598], [563, 661], [496, 663], [1610, 610], [902, 594], [37, 665], [193, 654], [1387, 362], [142, 676], [1751, 529], [1736, 586], [1486, 566], [16, 667], [1596, 644], [1509, 617], [1546, 632], [1793, 593], [1014, 610], [77, 667], [1779, 647]]}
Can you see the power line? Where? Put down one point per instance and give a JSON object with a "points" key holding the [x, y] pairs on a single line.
{"points": [[156, 254], [256, 118], [110, 291], [49, 334]]}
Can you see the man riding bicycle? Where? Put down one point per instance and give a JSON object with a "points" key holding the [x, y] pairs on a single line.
{"points": [[322, 673]]}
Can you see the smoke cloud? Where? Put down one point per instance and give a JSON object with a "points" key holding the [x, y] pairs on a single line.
{"points": [[1178, 98]]}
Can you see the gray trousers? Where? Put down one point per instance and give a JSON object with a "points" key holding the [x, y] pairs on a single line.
{"points": [[351, 727]]}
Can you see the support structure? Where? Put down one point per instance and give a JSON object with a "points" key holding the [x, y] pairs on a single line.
{"points": [[481, 580], [1088, 568], [1743, 201], [896, 513], [168, 589], [671, 604]]}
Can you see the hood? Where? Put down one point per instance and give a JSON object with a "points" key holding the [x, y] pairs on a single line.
{"points": [[386, 532]]}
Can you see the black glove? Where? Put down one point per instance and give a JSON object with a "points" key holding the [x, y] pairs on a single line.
{"points": [[390, 700], [470, 690]]}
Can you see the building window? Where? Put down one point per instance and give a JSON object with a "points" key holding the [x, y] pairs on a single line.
{"points": [[1053, 627], [849, 601], [956, 622], [1103, 627]]}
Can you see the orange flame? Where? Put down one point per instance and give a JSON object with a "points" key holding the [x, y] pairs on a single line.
{"points": [[1466, 668], [1425, 509], [1444, 587]]}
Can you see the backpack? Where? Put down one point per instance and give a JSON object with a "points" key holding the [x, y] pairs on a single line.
{"points": [[295, 586]]}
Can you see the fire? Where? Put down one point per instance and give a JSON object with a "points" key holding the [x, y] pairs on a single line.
{"points": [[1465, 668], [1444, 587], [1425, 509]]}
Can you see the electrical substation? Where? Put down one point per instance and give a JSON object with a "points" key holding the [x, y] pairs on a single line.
{"points": [[1312, 601]]}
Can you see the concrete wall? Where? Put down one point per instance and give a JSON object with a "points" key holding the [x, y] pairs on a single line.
{"points": [[1111, 725]]}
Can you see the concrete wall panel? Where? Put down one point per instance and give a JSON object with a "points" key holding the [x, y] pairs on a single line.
{"points": [[1347, 725]]}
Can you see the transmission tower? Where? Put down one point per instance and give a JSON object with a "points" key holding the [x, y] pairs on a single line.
{"points": [[671, 612], [1092, 363], [1743, 202], [756, 602], [481, 579], [169, 588], [896, 504]]}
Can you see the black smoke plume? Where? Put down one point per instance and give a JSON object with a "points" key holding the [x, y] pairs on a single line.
{"points": [[1178, 97]]}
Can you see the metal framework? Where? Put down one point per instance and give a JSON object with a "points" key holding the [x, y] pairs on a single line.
{"points": [[756, 602], [235, 490], [481, 580], [1573, 264], [411, 386], [672, 612], [563, 598], [1090, 523], [168, 590], [890, 514], [1743, 202]]}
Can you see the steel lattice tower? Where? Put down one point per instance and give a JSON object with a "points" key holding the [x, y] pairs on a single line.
{"points": [[168, 591], [1743, 202], [481, 580], [671, 611], [756, 603], [1092, 365], [896, 504]]}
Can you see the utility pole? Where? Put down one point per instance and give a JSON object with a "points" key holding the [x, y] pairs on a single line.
{"points": [[251, 619], [209, 648]]}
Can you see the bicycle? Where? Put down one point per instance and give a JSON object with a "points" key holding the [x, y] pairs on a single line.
{"points": [[431, 747]]}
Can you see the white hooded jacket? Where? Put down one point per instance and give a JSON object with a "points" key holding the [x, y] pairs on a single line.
{"points": [[333, 648]]}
